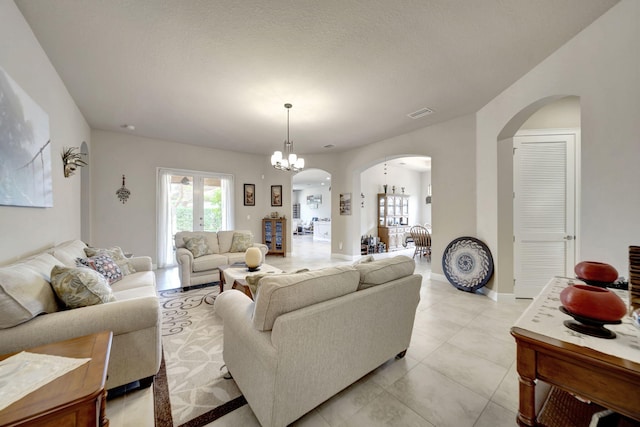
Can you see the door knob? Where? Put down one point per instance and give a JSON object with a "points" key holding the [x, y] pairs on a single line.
{"points": [[568, 237]]}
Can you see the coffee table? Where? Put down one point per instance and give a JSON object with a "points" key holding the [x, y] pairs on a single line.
{"points": [[77, 397], [231, 273]]}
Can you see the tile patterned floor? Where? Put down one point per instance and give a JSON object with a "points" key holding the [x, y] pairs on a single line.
{"points": [[459, 370]]}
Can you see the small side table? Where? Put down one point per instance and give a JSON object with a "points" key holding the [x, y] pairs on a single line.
{"points": [[241, 285], [76, 398]]}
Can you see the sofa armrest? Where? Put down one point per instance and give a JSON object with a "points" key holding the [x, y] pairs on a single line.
{"points": [[141, 263], [236, 310], [263, 248], [184, 257], [120, 317]]}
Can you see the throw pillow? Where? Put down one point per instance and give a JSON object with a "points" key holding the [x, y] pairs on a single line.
{"points": [[118, 256], [197, 245], [241, 242], [104, 265], [80, 287]]}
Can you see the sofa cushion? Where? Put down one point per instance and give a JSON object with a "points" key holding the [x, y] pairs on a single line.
{"points": [[24, 294], [80, 287], [282, 293], [211, 236], [241, 242], [104, 265], [197, 245], [209, 262], [42, 264], [67, 252], [384, 270], [116, 254]]}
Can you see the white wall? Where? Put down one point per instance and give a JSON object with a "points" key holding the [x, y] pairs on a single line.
{"points": [[322, 211], [601, 65], [133, 225], [27, 230], [451, 146]]}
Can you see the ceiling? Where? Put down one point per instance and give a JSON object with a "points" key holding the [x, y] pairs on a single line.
{"points": [[218, 73]]}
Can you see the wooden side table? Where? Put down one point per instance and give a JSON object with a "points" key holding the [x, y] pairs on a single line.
{"points": [[77, 398], [606, 372]]}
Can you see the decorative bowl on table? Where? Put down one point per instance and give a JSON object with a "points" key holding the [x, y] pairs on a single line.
{"points": [[596, 273], [592, 307]]}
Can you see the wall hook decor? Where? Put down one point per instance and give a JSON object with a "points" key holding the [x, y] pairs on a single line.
{"points": [[123, 193], [72, 160]]}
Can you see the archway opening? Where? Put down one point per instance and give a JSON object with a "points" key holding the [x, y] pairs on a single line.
{"points": [[311, 213]]}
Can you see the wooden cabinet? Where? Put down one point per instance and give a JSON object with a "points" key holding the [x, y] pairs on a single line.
{"points": [[274, 235], [393, 219]]}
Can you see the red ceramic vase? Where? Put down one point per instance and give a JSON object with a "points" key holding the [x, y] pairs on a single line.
{"points": [[593, 271], [593, 302]]}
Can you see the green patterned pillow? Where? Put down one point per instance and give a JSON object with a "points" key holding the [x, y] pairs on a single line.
{"points": [[116, 254], [241, 242], [197, 245], [80, 287]]}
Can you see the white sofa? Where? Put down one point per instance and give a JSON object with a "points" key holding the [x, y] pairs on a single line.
{"points": [[27, 297], [309, 335], [204, 269]]}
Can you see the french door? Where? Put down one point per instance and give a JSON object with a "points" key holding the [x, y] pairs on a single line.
{"points": [[191, 201], [544, 210]]}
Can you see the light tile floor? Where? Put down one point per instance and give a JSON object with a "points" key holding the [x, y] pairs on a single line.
{"points": [[459, 370]]}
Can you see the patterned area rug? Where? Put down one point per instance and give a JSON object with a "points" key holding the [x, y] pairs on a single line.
{"points": [[192, 343]]}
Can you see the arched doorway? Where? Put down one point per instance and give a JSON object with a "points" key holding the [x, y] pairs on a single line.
{"points": [[533, 245], [403, 175], [311, 213]]}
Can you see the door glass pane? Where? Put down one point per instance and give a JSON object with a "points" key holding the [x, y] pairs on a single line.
{"points": [[181, 197], [212, 200]]}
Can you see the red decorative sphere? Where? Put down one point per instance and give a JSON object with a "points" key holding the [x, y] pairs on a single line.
{"points": [[593, 302], [598, 272]]}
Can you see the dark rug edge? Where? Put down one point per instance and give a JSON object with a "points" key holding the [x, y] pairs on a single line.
{"points": [[161, 402], [214, 414]]}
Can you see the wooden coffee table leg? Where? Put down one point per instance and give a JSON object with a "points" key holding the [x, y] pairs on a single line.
{"points": [[241, 285]]}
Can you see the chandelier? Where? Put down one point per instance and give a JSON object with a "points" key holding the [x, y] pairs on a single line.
{"points": [[287, 160]]}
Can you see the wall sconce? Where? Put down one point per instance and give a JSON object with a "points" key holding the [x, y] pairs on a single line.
{"points": [[428, 199], [72, 160], [123, 193]]}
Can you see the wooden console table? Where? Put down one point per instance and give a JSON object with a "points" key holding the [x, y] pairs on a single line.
{"points": [[604, 371], [77, 398]]}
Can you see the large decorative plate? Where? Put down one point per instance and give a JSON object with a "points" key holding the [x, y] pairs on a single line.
{"points": [[467, 263]]}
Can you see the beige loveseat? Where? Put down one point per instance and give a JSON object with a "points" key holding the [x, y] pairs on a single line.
{"points": [[28, 302], [204, 269], [309, 335]]}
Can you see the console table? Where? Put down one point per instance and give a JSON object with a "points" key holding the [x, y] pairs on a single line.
{"points": [[77, 398], [604, 371]]}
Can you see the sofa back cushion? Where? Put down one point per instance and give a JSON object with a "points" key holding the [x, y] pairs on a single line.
{"points": [[211, 236], [225, 239], [67, 252], [25, 292], [384, 270], [282, 293]]}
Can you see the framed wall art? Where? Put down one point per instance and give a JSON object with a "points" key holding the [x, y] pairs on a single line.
{"points": [[25, 148], [345, 203], [276, 195], [249, 194]]}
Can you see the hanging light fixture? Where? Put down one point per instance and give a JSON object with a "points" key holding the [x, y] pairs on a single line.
{"points": [[287, 160]]}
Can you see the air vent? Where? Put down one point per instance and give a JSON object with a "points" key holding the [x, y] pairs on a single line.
{"points": [[420, 113], [329, 146]]}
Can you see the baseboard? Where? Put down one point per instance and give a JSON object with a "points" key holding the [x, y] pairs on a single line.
{"points": [[496, 296], [345, 257]]}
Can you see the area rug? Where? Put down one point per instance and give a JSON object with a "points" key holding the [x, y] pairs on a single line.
{"points": [[193, 367]]}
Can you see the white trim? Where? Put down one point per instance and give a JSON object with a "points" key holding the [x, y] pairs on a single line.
{"points": [[498, 297]]}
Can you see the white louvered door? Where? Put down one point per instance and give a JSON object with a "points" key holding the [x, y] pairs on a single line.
{"points": [[544, 210]]}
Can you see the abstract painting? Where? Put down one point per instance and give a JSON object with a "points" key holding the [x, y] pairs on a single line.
{"points": [[25, 148]]}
